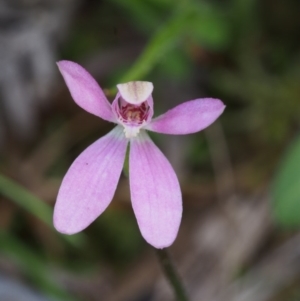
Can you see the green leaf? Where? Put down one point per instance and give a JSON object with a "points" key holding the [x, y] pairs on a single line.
{"points": [[26, 200], [33, 265], [176, 65], [285, 190], [32, 204], [159, 45], [209, 26], [140, 13]]}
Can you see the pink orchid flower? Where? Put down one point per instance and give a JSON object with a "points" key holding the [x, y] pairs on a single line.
{"points": [[90, 183]]}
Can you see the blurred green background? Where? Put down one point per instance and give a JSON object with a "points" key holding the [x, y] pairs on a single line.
{"points": [[245, 52]]}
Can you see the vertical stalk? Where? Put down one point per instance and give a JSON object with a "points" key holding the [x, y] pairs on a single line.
{"points": [[171, 274]]}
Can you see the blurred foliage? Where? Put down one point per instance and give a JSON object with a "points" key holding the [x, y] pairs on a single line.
{"points": [[33, 265], [33, 205], [120, 240], [245, 52], [286, 188], [261, 73]]}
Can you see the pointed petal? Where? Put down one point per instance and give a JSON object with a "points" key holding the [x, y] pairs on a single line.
{"points": [[155, 192], [85, 90], [90, 183], [189, 117]]}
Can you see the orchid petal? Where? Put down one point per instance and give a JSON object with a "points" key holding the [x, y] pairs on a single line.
{"points": [[85, 90], [188, 117], [155, 192], [90, 183]]}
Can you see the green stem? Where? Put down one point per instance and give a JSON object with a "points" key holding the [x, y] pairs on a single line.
{"points": [[171, 274]]}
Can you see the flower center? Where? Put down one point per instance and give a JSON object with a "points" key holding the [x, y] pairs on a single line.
{"points": [[133, 114], [133, 106]]}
